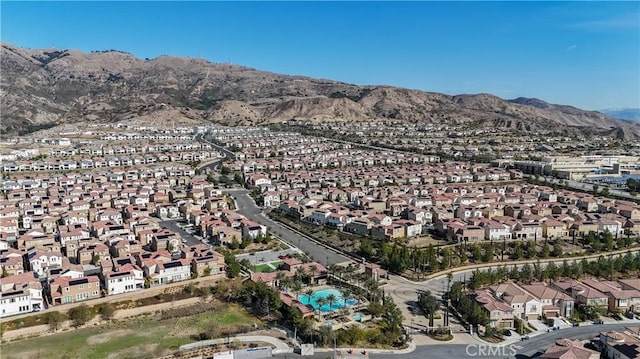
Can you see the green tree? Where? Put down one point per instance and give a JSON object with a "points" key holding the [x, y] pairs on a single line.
{"points": [[446, 258], [309, 293], [106, 311], [557, 249], [488, 253], [233, 267], [54, 319], [375, 308], [463, 256], [545, 250], [331, 300], [476, 253], [235, 244], [429, 305], [80, 315], [518, 252], [596, 244], [531, 250], [608, 240]]}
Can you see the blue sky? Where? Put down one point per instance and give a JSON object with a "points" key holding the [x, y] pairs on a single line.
{"points": [[585, 54]]}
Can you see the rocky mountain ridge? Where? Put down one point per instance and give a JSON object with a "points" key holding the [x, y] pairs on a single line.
{"points": [[40, 88]]}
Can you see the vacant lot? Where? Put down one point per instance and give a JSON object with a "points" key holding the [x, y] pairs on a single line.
{"points": [[141, 337]]}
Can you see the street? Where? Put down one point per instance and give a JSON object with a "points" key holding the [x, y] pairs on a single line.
{"points": [[478, 349], [172, 224], [248, 208]]}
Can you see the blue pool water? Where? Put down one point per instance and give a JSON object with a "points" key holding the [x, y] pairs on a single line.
{"points": [[339, 303], [357, 317]]}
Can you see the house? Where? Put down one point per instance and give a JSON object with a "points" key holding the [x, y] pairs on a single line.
{"points": [[40, 259], [70, 290], [500, 314], [631, 284], [524, 231], [92, 253], [524, 305], [210, 264], [621, 344], [21, 293], [582, 293], [253, 229], [360, 226], [569, 349], [469, 233], [619, 299], [158, 272], [494, 231], [123, 281], [11, 262], [554, 302], [554, 229], [306, 311]]}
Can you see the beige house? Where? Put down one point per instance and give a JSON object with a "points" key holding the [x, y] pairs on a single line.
{"points": [[69, 290], [554, 302], [500, 314], [554, 229]]}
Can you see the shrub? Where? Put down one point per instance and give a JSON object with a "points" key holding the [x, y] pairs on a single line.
{"points": [[106, 311], [80, 315]]}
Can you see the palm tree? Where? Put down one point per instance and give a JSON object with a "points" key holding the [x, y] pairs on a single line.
{"points": [[309, 294], [320, 302], [346, 295], [296, 287], [331, 299]]}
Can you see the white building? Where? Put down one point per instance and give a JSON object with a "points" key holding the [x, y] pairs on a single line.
{"points": [[41, 260], [164, 273], [19, 294], [124, 281]]}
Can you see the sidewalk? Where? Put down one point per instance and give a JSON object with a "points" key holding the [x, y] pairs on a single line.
{"points": [[410, 348], [280, 346]]}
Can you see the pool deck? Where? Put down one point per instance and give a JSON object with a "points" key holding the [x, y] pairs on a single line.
{"points": [[334, 315]]}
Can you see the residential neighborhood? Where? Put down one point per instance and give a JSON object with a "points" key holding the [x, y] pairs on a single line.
{"points": [[117, 209]]}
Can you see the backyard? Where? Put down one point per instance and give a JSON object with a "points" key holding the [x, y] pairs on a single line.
{"points": [[144, 336]]}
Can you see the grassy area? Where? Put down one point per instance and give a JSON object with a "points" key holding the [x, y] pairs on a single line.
{"points": [[266, 268], [144, 336]]}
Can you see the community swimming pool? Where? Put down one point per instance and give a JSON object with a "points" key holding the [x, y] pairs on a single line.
{"points": [[339, 303]]}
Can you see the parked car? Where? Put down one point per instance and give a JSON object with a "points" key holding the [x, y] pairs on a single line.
{"points": [[526, 337], [576, 324], [597, 322]]}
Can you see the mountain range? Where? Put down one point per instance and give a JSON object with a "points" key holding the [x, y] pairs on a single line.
{"points": [[628, 114], [41, 88]]}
